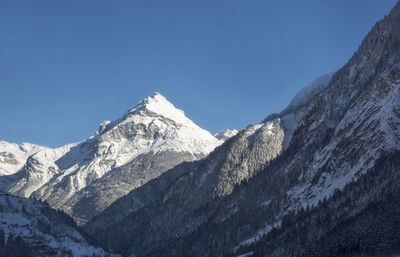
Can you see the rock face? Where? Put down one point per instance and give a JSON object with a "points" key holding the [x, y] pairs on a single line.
{"points": [[84, 178], [31, 228], [286, 184]]}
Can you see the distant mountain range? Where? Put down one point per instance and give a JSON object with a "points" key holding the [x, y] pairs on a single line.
{"points": [[321, 178]]}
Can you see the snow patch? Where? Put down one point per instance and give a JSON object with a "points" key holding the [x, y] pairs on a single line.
{"points": [[246, 254], [265, 203], [257, 236]]}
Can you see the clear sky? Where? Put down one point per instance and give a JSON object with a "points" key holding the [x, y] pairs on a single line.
{"points": [[66, 66]]}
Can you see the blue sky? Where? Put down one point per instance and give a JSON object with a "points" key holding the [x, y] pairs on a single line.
{"points": [[66, 66]]}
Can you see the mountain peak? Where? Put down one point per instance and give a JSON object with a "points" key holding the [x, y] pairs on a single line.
{"points": [[155, 99], [158, 104]]}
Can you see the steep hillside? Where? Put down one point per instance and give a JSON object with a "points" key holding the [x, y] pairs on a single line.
{"points": [[184, 198], [251, 185], [31, 228]]}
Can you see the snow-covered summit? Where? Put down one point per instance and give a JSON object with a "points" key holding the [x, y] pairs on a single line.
{"points": [[146, 141], [163, 124], [156, 125], [160, 105]]}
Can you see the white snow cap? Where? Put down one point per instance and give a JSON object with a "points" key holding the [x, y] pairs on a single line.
{"points": [[152, 127], [156, 112], [157, 103]]}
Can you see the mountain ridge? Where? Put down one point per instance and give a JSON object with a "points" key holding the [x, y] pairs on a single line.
{"points": [[297, 184], [123, 154], [334, 139]]}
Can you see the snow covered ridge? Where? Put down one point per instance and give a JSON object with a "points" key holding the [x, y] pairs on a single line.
{"points": [[334, 134], [44, 231], [226, 134], [183, 191], [13, 156], [294, 113], [309, 91], [153, 129]]}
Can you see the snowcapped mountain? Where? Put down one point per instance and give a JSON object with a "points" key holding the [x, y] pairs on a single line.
{"points": [[31, 228], [321, 178], [182, 192], [13, 156], [86, 177], [287, 186]]}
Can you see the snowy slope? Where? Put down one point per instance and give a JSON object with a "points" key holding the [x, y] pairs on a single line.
{"points": [[184, 198], [38, 169], [13, 156], [334, 135], [63, 176], [339, 135], [43, 229]]}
